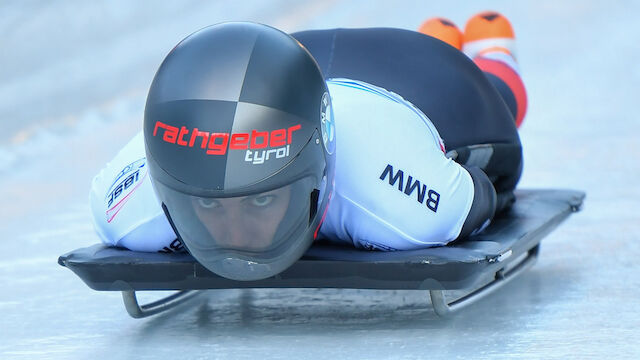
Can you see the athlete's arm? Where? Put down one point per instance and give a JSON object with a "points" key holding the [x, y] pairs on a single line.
{"points": [[405, 195], [125, 210]]}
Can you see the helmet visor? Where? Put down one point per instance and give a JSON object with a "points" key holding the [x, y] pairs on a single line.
{"points": [[246, 237]]}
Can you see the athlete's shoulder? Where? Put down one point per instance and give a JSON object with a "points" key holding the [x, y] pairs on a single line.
{"points": [[354, 99], [394, 186]]}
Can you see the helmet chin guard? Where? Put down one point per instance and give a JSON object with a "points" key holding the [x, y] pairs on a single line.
{"points": [[240, 147]]}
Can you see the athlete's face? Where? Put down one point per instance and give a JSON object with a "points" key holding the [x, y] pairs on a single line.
{"points": [[247, 223]]}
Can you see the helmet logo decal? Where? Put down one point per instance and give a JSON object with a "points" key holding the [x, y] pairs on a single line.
{"points": [[255, 143], [328, 127], [258, 156]]}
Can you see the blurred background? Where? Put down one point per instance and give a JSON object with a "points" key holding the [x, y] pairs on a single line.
{"points": [[73, 83]]}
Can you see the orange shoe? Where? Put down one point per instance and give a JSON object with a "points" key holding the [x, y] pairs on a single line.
{"points": [[486, 32], [444, 30]]}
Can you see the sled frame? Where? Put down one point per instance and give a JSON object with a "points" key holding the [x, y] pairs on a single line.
{"points": [[137, 311], [439, 302], [501, 278]]}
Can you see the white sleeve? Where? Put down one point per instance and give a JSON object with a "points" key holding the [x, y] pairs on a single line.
{"points": [[124, 206], [394, 187]]}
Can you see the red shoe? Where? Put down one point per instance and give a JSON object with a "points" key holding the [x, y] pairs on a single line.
{"points": [[444, 30], [486, 32]]}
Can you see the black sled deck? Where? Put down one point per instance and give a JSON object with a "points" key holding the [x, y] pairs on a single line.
{"points": [[508, 247]]}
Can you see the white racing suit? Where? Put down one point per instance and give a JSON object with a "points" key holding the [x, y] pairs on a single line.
{"points": [[394, 187]]}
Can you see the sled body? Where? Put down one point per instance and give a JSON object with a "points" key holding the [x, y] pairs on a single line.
{"points": [[502, 251]]}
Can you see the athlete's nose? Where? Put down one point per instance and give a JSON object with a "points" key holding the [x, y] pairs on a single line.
{"points": [[237, 237], [237, 234]]}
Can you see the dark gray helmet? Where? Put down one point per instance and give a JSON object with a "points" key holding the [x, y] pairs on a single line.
{"points": [[239, 139]]}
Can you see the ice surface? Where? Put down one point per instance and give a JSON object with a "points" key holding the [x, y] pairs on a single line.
{"points": [[72, 87]]}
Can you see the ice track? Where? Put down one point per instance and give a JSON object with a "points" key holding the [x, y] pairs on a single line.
{"points": [[72, 88]]}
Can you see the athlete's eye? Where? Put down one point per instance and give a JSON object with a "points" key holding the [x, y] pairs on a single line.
{"points": [[208, 203], [262, 201]]}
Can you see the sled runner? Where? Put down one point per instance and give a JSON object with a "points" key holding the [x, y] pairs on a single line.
{"points": [[501, 252]]}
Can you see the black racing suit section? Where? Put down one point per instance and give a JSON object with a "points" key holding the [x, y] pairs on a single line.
{"points": [[505, 92], [484, 202], [441, 81]]}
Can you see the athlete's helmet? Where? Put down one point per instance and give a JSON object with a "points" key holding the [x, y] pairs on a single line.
{"points": [[239, 139]]}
